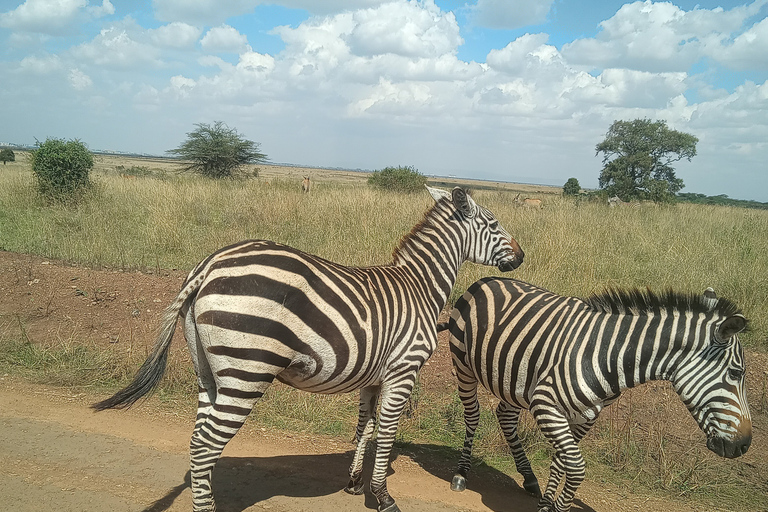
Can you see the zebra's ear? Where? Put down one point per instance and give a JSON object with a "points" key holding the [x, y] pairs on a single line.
{"points": [[438, 194], [463, 202], [710, 298], [730, 327]]}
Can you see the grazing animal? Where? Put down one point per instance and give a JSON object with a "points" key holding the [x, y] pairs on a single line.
{"points": [[306, 185], [565, 359], [528, 202], [615, 201], [258, 310]]}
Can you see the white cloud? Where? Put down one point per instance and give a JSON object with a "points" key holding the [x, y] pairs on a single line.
{"points": [[408, 29], [201, 12], [661, 37], [175, 35], [52, 17], [510, 14], [79, 80], [224, 39], [749, 50], [116, 47], [106, 8], [40, 65]]}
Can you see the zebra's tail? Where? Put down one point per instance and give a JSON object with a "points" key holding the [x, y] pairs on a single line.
{"points": [[442, 326], [150, 373]]}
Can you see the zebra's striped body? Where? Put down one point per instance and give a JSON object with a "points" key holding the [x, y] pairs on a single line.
{"points": [[565, 359], [258, 311]]}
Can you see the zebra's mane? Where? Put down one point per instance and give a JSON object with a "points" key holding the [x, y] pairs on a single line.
{"points": [[428, 220], [637, 302]]}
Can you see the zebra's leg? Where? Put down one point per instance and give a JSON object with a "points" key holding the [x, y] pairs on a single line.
{"points": [[394, 395], [366, 423], [557, 468], [224, 406], [206, 387], [509, 416], [567, 461], [468, 396]]}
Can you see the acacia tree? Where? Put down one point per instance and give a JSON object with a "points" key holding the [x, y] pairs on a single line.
{"points": [[637, 158], [217, 151]]}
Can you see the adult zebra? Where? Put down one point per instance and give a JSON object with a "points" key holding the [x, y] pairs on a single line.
{"points": [[565, 359], [259, 310]]}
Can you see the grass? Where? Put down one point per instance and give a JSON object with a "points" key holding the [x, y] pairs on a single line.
{"points": [[162, 220]]}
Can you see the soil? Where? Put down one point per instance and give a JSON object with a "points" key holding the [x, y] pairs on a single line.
{"points": [[57, 454]]}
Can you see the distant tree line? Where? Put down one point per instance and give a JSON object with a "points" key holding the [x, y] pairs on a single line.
{"points": [[720, 200]]}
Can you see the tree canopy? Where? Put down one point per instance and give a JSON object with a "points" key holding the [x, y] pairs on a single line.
{"points": [[217, 151], [637, 158], [7, 155], [571, 187]]}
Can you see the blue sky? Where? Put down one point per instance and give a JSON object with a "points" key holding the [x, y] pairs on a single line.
{"points": [[508, 90]]}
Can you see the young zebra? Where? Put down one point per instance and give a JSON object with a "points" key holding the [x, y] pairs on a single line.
{"points": [[565, 359], [259, 310]]}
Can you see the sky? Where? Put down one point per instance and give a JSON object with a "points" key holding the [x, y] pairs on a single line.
{"points": [[500, 90]]}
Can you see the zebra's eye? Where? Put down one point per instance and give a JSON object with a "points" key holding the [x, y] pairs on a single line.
{"points": [[735, 373], [494, 224]]}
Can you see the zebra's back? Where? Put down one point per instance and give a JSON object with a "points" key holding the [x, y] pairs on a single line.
{"points": [[502, 331]]}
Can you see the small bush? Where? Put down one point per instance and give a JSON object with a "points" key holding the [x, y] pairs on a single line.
{"points": [[571, 187], [7, 155], [398, 179], [62, 168]]}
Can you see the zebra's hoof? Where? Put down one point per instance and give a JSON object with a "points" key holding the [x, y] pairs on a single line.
{"points": [[354, 488], [459, 483], [531, 486], [389, 508]]}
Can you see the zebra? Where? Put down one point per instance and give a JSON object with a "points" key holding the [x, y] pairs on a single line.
{"points": [[258, 310], [616, 201], [565, 359]]}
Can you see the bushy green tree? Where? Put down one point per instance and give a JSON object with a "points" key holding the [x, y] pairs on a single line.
{"points": [[637, 156], [62, 168], [398, 179], [571, 187], [7, 155], [217, 151]]}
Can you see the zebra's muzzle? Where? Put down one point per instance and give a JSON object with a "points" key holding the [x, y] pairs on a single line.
{"points": [[729, 449], [513, 260]]}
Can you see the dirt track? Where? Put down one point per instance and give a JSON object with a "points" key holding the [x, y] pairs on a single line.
{"points": [[57, 454]]}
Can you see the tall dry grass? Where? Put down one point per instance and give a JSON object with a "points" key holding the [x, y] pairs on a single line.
{"points": [[571, 248]]}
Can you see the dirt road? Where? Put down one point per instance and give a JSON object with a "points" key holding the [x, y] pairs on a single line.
{"points": [[56, 454]]}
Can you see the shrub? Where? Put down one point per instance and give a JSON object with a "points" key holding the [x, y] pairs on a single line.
{"points": [[62, 168], [399, 179], [7, 155], [571, 187]]}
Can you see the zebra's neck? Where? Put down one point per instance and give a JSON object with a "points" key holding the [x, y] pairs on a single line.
{"points": [[653, 345], [432, 253]]}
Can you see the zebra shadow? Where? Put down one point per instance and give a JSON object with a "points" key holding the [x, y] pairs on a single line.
{"points": [[498, 490], [241, 482]]}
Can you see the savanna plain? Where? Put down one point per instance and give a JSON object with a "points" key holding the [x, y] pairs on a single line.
{"points": [[82, 287]]}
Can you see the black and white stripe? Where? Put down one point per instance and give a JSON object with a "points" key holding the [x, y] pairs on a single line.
{"points": [[565, 359], [258, 311]]}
